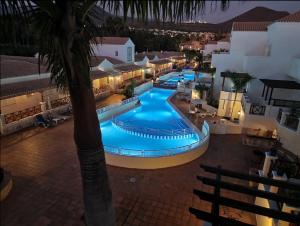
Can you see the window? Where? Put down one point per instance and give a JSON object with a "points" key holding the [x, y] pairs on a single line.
{"points": [[129, 54], [116, 53]]}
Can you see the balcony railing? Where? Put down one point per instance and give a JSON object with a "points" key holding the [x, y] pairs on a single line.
{"points": [[279, 115], [286, 103], [291, 122], [257, 109], [18, 115]]}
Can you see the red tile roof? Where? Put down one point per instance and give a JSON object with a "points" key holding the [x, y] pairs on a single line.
{"points": [[96, 74], [250, 26], [13, 66], [159, 62], [295, 17], [21, 88], [141, 56], [96, 60], [128, 67], [112, 40]]}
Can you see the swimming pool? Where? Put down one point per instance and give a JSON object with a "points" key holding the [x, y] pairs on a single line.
{"points": [[153, 129], [186, 76], [171, 79]]}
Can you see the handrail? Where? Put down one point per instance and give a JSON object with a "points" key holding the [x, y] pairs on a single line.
{"points": [[152, 131], [160, 152], [109, 107]]}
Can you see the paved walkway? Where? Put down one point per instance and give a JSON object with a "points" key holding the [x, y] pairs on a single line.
{"points": [[47, 187]]}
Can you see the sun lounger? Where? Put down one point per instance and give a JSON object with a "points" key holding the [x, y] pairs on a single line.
{"points": [[41, 121], [62, 117]]}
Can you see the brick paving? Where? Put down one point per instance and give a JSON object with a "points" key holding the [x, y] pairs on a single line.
{"points": [[47, 187]]}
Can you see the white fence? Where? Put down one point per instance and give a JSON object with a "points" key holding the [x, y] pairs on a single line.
{"points": [[108, 112], [142, 88], [29, 121]]}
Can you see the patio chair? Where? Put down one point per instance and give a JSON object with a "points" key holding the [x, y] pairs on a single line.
{"points": [[56, 118], [41, 121]]}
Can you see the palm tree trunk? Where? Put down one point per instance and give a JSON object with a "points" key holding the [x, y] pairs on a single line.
{"points": [[97, 194]]}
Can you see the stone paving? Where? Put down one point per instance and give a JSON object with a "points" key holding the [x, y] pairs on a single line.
{"points": [[47, 187]]}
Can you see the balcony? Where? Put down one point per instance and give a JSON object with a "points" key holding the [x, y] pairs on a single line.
{"points": [[289, 119]]}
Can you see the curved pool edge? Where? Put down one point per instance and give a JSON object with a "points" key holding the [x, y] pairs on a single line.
{"points": [[134, 162], [160, 162]]}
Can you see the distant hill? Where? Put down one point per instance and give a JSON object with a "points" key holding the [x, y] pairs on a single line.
{"points": [[255, 14]]}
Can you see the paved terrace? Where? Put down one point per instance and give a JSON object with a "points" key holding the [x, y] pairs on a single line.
{"points": [[47, 186]]}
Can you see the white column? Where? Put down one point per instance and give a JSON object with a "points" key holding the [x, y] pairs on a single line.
{"points": [[2, 123], [49, 103], [275, 176], [43, 106], [267, 163], [298, 128]]}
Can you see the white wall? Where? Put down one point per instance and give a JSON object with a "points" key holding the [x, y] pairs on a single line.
{"points": [[143, 62], [289, 139], [142, 88], [223, 45], [284, 40], [105, 65], [110, 50], [209, 48], [249, 43], [19, 103], [224, 62], [271, 54], [294, 70]]}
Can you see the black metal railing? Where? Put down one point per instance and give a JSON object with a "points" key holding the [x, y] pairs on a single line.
{"points": [[279, 115], [257, 109], [217, 197], [291, 122], [286, 103]]}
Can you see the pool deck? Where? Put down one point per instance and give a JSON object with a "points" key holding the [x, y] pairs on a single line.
{"points": [[47, 187]]}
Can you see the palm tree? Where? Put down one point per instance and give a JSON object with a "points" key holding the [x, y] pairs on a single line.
{"points": [[198, 58], [239, 81], [65, 29]]}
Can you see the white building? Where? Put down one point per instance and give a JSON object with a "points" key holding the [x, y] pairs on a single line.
{"points": [[270, 52], [222, 45], [121, 48]]}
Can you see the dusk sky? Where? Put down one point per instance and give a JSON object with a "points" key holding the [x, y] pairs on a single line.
{"points": [[215, 15]]}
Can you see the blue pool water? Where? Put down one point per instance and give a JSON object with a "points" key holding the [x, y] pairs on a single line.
{"points": [[152, 129], [186, 76]]}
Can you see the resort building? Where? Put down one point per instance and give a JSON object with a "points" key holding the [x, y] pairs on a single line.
{"points": [[222, 45], [272, 57], [190, 45], [25, 92], [121, 48], [160, 62]]}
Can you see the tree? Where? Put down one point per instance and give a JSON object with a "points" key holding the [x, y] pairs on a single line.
{"points": [[65, 29], [201, 88], [239, 81], [129, 89]]}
